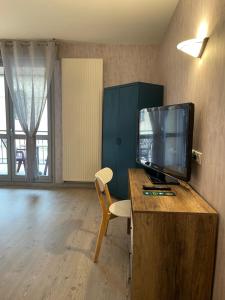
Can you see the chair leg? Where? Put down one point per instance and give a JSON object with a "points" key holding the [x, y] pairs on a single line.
{"points": [[102, 230], [107, 226], [46, 167], [18, 166], [128, 225]]}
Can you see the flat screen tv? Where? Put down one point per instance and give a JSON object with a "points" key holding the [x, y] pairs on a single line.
{"points": [[165, 142]]}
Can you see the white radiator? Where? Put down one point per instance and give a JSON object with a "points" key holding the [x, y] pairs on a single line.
{"points": [[82, 90]]}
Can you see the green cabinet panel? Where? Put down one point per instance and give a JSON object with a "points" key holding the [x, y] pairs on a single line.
{"points": [[120, 128]]}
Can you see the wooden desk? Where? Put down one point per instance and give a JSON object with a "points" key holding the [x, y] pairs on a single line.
{"points": [[173, 243]]}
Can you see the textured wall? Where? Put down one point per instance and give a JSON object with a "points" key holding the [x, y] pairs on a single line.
{"points": [[57, 105], [202, 81], [122, 63]]}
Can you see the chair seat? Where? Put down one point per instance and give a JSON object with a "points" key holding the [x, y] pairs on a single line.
{"points": [[121, 208]]}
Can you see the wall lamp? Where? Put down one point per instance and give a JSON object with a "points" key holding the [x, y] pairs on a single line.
{"points": [[194, 47]]}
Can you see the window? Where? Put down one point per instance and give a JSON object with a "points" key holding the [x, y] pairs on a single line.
{"points": [[13, 140]]}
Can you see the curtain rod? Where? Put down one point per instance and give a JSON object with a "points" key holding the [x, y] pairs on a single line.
{"points": [[26, 41]]}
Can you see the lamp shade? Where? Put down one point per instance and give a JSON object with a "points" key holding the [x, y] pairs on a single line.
{"points": [[194, 47]]}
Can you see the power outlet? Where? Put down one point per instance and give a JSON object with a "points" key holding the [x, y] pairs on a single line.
{"points": [[197, 156]]}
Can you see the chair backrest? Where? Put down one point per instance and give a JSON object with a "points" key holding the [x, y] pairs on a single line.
{"points": [[102, 177], [20, 155]]}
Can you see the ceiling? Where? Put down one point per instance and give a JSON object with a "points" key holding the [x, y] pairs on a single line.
{"points": [[101, 21]]}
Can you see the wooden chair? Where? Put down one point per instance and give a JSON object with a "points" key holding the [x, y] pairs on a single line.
{"points": [[110, 210]]}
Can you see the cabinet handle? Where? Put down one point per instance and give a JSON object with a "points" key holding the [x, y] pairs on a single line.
{"points": [[118, 141]]}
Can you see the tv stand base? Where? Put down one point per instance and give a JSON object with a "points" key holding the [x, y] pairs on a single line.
{"points": [[160, 178]]}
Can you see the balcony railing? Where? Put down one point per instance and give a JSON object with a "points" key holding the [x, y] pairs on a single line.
{"points": [[20, 157]]}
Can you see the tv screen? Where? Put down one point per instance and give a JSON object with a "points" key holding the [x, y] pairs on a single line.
{"points": [[165, 139]]}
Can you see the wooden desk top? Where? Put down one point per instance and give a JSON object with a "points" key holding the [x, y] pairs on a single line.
{"points": [[185, 201]]}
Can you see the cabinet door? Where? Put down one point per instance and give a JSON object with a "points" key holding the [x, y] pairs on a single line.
{"points": [[127, 125], [110, 133], [150, 95]]}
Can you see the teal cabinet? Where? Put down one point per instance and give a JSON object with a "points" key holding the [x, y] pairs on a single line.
{"points": [[120, 128]]}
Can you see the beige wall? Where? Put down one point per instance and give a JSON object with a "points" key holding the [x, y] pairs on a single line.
{"points": [[122, 63], [202, 81]]}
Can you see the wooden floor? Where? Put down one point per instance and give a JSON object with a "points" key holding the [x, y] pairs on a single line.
{"points": [[47, 241]]}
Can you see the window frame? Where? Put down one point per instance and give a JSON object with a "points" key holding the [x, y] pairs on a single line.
{"points": [[11, 136]]}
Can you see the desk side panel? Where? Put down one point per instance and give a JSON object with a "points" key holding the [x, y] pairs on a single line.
{"points": [[173, 256]]}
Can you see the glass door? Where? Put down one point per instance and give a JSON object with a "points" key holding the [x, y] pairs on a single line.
{"points": [[13, 141]]}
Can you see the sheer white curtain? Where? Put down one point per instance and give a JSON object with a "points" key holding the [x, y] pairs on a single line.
{"points": [[28, 69]]}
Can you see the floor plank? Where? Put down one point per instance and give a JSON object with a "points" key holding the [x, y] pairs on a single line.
{"points": [[47, 241]]}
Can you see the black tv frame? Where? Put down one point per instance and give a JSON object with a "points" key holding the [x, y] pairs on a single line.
{"points": [[160, 175]]}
